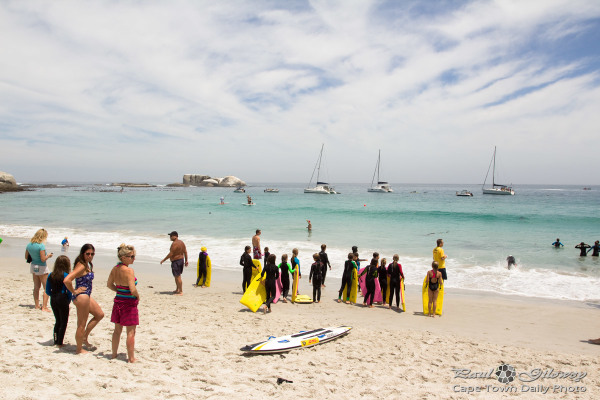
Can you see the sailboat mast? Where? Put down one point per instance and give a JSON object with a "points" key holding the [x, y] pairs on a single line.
{"points": [[494, 170], [319, 168], [378, 160]]}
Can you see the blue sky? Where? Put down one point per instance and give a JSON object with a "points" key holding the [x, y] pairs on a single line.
{"points": [[151, 90]]}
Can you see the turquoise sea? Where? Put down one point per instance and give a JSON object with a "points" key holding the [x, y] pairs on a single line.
{"points": [[479, 232]]}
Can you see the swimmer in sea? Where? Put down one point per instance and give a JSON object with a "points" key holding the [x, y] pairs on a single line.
{"points": [[583, 249], [595, 249], [511, 262], [558, 244], [309, 226]]}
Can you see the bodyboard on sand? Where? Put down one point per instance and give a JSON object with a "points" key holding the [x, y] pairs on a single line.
{"points": [[353, 288], [255, 295], [440, 298], [303, 299], [362, 281], [295, 285], [402, 295], [296, 341]]}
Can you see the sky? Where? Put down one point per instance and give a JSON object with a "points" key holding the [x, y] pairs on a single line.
{"points": [[147, 91]]}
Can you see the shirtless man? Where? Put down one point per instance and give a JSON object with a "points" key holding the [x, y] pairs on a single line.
{"points": [[179, 257], [257, 255]]}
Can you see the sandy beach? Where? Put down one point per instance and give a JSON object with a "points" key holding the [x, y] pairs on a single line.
{"points": [[189, 346]]}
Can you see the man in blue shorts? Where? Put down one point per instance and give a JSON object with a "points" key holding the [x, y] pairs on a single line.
{"points": [[179, 257]]}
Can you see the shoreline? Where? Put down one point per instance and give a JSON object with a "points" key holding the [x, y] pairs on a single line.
{"points": [[189, 346]]}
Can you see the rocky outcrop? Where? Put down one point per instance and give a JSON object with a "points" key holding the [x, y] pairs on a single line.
{"points": [[8, 183], [205, 180]]}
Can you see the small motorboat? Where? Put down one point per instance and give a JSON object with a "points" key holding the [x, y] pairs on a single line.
{"points": [[239, 190], [464, 193], [271, 190], [587, 188]]}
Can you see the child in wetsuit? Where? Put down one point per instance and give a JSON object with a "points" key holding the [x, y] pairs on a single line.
{"points": [[60, 297], [371, 272], [316, 275], [272, 273], [395, 273], [285, 269], [202, 267], [382, 275], [347, 278]]}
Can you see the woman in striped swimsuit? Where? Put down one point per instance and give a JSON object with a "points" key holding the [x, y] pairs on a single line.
{"points": [[125, 313]]}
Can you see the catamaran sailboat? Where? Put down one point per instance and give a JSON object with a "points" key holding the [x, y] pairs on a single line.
{"points": [[496, 188], [320, 187], [380, 187]]}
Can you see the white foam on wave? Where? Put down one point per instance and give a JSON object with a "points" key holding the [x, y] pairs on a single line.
{"points": [[225, 254]]}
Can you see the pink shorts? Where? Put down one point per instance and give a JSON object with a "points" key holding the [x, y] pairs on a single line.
{"points": [[125, 312]]}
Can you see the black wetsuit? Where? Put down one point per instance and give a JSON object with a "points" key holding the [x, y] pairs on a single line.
{"points": [[201, 268], [285, 279], [395, 273], [371, 272], [316, 276], [246, 262], [272, 273], [582, 248], [595, 250], [511, 261], [266, 257], [346, 279], [59, 302], [382, 275], [325, 261]]}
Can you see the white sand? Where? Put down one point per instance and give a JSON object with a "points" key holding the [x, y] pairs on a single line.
{"points": [[188, 346]]}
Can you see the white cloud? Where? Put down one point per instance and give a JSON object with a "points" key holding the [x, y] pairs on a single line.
{"points": [[241, 87]]}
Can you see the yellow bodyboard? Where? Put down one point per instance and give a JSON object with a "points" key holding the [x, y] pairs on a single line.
{"points": [[303, 299], [208, 270], [257, 270], [353, 288], [295, 285], [440, 298], [255, 295], [386, 295], [402, 295]]}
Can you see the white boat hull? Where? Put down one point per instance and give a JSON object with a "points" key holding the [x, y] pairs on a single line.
{"points": [[320, 190], [501, 192], [380, 189]]}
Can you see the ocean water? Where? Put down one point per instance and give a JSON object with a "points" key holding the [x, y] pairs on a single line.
{"points": [[479, 232]]}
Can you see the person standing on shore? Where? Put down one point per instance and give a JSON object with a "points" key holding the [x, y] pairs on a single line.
{"points": [[396, 275], [434, 282], [257, 255], [36, 251], [583, 249], [179, 257], [595, 249], [382, 275], [440, 258], [122, 281], [371, 272], [558, 244], [296, 262], [272, 273], [266, 255], [202, 267], [316, 276], [347, 278], [83, 275], [60, 297], [247, 264], [285, 269], [65, 244], [324, 262]]}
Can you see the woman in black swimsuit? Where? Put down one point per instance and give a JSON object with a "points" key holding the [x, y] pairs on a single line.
{"points": [[434, 279]]}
